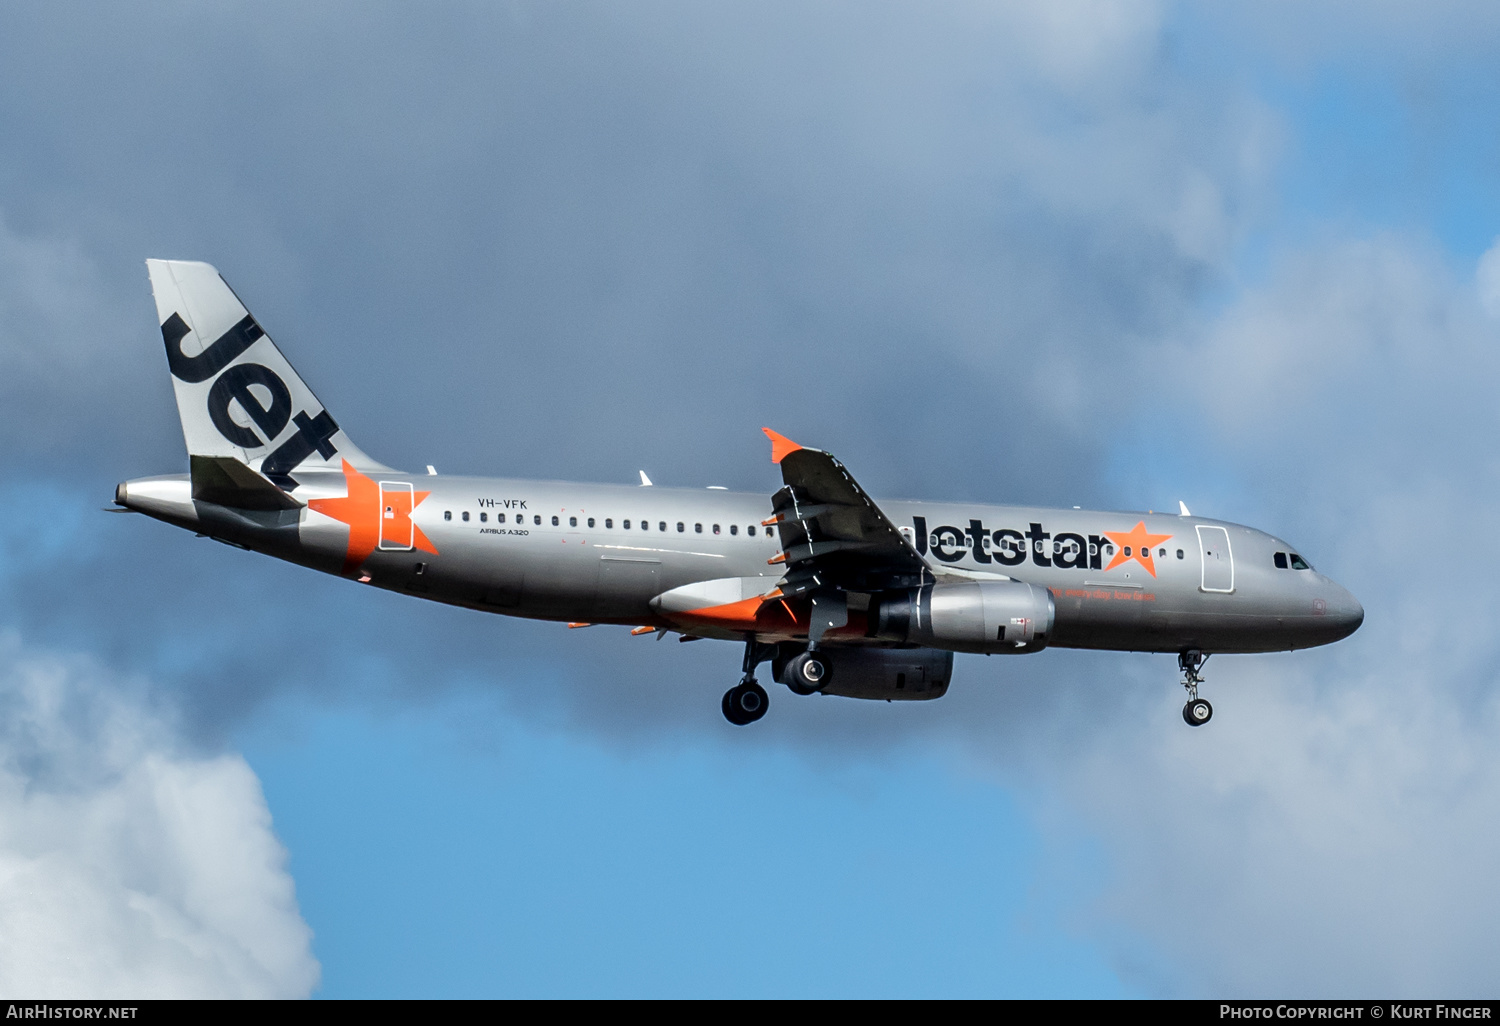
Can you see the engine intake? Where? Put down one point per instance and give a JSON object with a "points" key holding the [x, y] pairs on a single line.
{"points": [[982, 616]]}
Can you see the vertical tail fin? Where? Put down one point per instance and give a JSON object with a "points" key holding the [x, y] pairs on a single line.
{"points": [[237, 395]]}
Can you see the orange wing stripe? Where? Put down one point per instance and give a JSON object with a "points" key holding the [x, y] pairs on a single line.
{"points": [[747, 614]]}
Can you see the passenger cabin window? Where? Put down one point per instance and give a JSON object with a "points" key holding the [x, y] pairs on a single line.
{"points": [[483, 517], [591, 521], [716, 529], [499, 518], [1179, 553], [734, 528], [554, 521], [750, 529], [466, 516], [681, 527], [624, 523], [1109, 550], [697, 528], [662, 526], [1280, 559], [1162, 553], [572, 521], [536, 521], [447, 514], [1298, 563], [610, 522]]}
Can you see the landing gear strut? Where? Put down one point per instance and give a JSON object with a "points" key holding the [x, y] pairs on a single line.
{"points": [[747, 701], [1197, 712]]}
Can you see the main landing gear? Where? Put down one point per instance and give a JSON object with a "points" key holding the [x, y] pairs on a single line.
{"points": [[807, 673], [1197, 712], [747, 701]]}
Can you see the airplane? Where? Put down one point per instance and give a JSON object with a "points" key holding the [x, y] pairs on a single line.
{"points": [[842, 594]]}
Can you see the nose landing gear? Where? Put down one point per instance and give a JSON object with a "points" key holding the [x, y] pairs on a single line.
{"points": [[1197, 712]]}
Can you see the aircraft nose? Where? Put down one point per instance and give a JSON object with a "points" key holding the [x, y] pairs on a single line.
{"points": [[1344, 610]]}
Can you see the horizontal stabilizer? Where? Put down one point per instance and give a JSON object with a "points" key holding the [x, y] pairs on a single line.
{"points": [[226, 481]]}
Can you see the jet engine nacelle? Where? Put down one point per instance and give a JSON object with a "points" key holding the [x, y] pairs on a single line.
{"points": [[979, 616], [892, 674]]}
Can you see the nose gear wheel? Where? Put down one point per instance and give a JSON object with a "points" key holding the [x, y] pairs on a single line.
{"points": [[1198, 711]]}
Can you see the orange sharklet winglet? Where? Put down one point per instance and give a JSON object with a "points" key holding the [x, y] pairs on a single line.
{"points": [[771, 521], [780, 557], [643, 630], [781, 445], [575, 626]]}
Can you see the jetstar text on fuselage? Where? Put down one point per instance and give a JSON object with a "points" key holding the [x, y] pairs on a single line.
{"points": [[1009, 546]]}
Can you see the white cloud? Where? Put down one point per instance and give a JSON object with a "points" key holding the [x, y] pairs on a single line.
{"points": [[128, 869]]}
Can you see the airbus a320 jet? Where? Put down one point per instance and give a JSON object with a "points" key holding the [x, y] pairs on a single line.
{"points": [[840, 593]]}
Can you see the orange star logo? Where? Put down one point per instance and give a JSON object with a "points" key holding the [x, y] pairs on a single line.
{"points": [[373, 514], [1135, 545]]}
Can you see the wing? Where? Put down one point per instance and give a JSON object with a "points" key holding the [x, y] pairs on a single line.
{"points": [[833, 537]]}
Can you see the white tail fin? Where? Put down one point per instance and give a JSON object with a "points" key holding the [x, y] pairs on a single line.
{"points": [[237, 395]]}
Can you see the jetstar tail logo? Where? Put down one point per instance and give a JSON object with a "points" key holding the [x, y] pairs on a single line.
{"points": [[375, 515]]}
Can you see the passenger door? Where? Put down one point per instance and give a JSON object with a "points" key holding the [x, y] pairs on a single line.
{"points": [[396, 528], [1218, 560]]}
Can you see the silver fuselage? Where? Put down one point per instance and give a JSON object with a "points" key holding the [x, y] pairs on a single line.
{"points": [[560, 551]]}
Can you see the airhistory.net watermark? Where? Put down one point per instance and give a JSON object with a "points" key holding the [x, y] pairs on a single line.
{"points": [[49, 1010]]}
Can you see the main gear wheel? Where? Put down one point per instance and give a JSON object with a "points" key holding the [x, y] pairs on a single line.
{"points": [[745, 703]]}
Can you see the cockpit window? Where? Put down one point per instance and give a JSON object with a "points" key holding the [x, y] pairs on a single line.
{"points": [[1280, 560], [1298, 563]]}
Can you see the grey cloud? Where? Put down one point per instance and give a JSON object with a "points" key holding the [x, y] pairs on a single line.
{"points": [[564, 241], [969, 253], [552, 225], [1330, 832]]}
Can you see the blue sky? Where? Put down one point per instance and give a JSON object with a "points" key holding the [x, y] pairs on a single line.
{"points": [[709, 870], [1093, 254]]}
